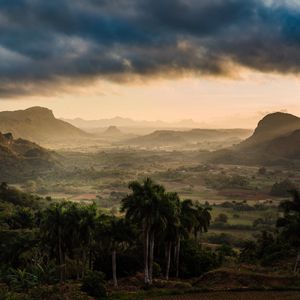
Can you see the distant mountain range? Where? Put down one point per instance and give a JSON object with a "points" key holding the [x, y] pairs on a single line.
{"points": [[20, 158], [276, 140], [127, 122], [172, 138], [38, 124]]}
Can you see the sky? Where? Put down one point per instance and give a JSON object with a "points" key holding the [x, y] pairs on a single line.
{"points": [[222, 63]]}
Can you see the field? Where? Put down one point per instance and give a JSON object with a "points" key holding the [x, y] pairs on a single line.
{"points": [[236, 296], [102, 176]]}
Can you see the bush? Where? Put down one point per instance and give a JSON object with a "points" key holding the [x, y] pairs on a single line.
{"points": [[221, 218], [156, 269], [226, 250], [21, 280], [195, 261], [281, 189], [94, 285]]}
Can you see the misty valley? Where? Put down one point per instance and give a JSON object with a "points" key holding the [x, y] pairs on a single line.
{"points": [[234, 180]]}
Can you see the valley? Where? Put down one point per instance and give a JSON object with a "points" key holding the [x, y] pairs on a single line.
{"points": [[222, 171]]}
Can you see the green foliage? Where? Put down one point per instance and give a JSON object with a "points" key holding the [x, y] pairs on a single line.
{"points": [[45, 273], [266, 250], [226, 250], [195, 261], [224, 238], [21, 280], [14, 246], [223, 181], [156, 269], [94, 285], [282, 188], [21, 218], [221, 218], [16, 197]]}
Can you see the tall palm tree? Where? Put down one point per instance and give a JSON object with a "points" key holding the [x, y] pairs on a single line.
{"points": [[171, 231], [187, 223], [203, 218], [290, 222], [86, 228], [143, 207], [53, 230]]}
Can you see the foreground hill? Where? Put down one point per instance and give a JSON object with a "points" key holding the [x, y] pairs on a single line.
{"points": [[276, 140], [20, 158], [172, 138], [37, 124]]}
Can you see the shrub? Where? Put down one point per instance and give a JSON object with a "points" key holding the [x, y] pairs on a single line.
{"points": [[281, 189], [221, 218], [94, 285], [226, 250], [21, 280], [156, 269], [195, 261]]}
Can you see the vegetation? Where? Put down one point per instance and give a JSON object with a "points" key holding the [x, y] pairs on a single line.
{"points": [[46, 242]]}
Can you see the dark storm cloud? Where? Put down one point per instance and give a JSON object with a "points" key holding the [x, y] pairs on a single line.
{"points": [[53, 41]]}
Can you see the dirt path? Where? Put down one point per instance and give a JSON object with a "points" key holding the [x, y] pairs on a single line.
{"points": [[236, 296]]}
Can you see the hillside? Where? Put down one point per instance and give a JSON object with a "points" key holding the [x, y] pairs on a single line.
{"points": [[273, 126], [20, 158], [37, 124], [276, 140], [172, 138]]}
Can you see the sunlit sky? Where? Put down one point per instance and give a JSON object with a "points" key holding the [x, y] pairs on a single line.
{"points": [[215, 102], [221, 63]]}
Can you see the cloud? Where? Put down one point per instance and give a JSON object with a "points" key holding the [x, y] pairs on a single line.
{"points": [[44, 42]]}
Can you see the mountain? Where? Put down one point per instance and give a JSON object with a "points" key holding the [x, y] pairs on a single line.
{"points": [[273, 126], [129, 123], [286, 146], [172, 138], [20, 158], [37, 124], [113, 131], [276, 140]]}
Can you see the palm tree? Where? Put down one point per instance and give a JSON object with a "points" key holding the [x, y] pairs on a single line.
{"points": [[143, 207], [187, 223], [86, 228], [172, 227], [290, 222], [116, 235], [203, 218], [52, 228]]}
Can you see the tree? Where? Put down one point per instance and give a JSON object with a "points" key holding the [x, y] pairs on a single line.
{"points": [[86, 228], [282, 188], [290, 222], [143, 207], [53, 229], [116, 234], [187, 222], [203, 218], [172, 213]]}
